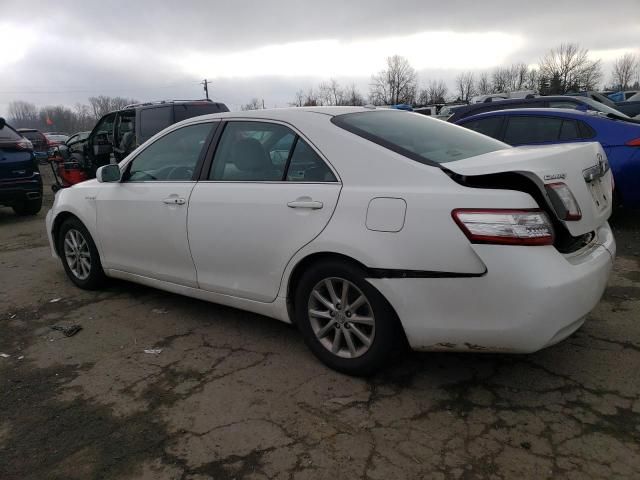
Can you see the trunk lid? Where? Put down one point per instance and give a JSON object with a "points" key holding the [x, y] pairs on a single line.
{"points": [[583, 167]]}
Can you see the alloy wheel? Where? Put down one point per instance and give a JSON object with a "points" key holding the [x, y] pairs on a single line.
{"points": [[341, 317], [77, 254]]}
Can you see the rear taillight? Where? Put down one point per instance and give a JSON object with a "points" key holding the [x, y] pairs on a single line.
{"points": [[22, 144], [505, 227], [563, 201], [633, 143]]}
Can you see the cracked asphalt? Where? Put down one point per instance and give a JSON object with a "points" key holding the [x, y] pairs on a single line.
{"points": [[236, 395]]}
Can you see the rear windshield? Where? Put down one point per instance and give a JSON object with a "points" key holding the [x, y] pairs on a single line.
{"points": [[8, 133], [601, 107], [418, 137]]}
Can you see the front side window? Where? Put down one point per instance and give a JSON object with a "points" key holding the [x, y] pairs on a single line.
{"points": [[489, 126], [529, 129], [266, 152], [172, 157], [423, 139]]}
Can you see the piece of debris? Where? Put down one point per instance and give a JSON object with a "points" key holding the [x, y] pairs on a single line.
{"points": [[68, 330], [160, 311], [13, 315], [4, 355], [20, 357], [525, 445], [153, 351], [55, 300]]}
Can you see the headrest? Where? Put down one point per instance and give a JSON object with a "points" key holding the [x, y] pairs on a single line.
{"points": [[248, 155]]}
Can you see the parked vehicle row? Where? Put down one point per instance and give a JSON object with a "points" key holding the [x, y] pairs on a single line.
{"points": [[367, 228]]}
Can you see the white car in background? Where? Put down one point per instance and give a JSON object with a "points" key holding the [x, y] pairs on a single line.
{"points": [[368, 228]]}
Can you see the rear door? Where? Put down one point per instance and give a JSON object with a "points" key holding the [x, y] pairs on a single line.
{"points": [[268, 193]]}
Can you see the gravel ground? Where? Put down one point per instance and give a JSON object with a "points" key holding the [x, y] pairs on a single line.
{"points": [[236, 395]]}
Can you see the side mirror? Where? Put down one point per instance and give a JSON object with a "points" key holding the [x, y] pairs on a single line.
{"points": [[108, 173], [3, 122]]}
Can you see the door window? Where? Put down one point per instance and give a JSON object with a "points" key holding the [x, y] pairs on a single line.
{"points": [[307, 166], [529, 129], [487, 126], [569, 130], [153, 120], [263, 152], [172, 157]]}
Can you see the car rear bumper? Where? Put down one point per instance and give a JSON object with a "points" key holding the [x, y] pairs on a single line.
{"points": [[21, 189], [530, 298]]}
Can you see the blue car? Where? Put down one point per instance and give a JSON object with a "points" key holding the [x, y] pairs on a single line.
{"points": [[20, 181], [619, 137]]}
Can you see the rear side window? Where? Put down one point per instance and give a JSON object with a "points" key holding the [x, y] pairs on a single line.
{"points": [[586, 131], [529, 129], [423, 139], [490, 126], [569, 130], [152, 120], [306, 166]]}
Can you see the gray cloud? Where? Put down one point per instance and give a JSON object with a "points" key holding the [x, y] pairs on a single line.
{"points": [[138, 39]]}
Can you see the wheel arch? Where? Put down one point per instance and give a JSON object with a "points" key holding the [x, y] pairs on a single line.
{"points": [[306, 262], [60, 218]]}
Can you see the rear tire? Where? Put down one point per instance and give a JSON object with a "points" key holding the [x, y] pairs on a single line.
{"points": [[355, 332], [79, 255], [28, 207]]}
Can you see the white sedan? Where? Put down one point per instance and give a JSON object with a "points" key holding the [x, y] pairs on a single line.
{"points": [[367, 228]]}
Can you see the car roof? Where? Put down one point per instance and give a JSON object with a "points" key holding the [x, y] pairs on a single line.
{"points": [[557, 112], [291, 113]]}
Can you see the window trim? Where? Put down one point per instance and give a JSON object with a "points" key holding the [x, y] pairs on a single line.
{"points": [[124, 167], [208, 165]]}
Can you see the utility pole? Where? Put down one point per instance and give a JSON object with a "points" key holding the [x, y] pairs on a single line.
{"points": [[206, 83]]}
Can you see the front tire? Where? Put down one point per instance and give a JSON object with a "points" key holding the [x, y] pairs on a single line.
{"points": [[344, 320], [79, 255]]}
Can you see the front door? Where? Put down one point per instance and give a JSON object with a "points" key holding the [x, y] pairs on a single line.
{"points": [[142, 220], [268, 194]]}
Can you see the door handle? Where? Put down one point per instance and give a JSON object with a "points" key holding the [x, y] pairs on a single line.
{"points": [[174, 201], [305, 202]]}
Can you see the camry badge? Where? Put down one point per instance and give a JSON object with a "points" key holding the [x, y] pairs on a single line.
{"points": [[555, 176]]}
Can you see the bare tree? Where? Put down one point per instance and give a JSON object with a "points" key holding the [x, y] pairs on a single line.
{"points": [[531, 82], [311, 99], [568, 67], [23, 114], [625, 69], [102, 104], [351, 96], [298, 101], [254, 104], [483, 85], [465, 86], [396, 84], [500, 78]]}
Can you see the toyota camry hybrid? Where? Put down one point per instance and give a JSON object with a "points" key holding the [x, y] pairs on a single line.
{"points": [[369, 229]]}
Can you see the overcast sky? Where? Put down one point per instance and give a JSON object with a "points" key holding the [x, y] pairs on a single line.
{"points": [[61, 52]]}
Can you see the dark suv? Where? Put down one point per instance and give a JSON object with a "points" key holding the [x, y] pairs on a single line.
{"points": [[552, 101], [20, 182], [118, 133]]}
